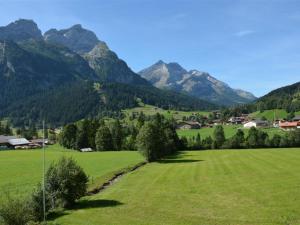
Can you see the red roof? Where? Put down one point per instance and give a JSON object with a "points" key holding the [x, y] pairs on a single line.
{"points": [[289, 124]]}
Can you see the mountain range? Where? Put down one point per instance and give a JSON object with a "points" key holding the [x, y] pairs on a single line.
{"points": [[65, 75], [172, 76]]}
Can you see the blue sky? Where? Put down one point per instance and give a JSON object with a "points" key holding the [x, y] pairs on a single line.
{"points": [[249, 44]]}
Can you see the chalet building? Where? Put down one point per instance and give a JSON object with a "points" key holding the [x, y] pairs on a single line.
{"points": [[19, 143], [289, 125], [12, 142], [4, 144], [296, 118], [236, 120], [187, 125], [256, 123]]}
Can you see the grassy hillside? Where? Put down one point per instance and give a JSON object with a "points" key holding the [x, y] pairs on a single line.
{"points": [[224, 187], [269, 114], [287, 97], [229, 130], [21, 170], [151, 110]]}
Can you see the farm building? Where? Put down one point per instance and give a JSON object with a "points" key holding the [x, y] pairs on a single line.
{"points": [[86, 150], [4, 139], [18, 143], [39, 141], [296, 118], [12, 142], [256, 123], [289, 125], [236, 120], [187, 125]]}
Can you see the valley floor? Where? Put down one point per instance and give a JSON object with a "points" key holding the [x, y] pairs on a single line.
{"points": [[223, 187]]}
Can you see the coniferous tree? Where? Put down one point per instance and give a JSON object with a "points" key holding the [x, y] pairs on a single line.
{"points": [[82, 140], [148, 142], [219, 136], [103, 139], [237, 141], [117, 135], [68, 136]]}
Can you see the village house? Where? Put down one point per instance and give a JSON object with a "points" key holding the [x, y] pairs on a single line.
{"points": [[4, 141], [296, 118], [86, 149], [285, 125], [187, 125], [256, 123], [236, 120], [12, 142]]}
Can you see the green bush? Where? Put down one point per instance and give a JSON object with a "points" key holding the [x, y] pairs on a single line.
{"points": [[14, 211], [66, 182]]}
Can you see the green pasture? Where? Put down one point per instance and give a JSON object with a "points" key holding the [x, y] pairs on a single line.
{"points": [[229, 131], [21, 170], [222, 187], [152, 110]]}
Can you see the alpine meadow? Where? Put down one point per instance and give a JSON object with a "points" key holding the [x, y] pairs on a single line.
{"points": [[149, 113]]}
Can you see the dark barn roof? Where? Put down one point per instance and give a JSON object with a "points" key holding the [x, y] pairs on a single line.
{"points": [[4, 139]]}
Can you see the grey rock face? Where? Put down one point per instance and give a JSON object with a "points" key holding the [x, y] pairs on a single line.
{"points": [[110, 68], [195, 83], [76, 38], [20, 30]]}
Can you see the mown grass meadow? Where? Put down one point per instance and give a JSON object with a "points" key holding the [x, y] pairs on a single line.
{"points": [[222, 187], [21, 170]]}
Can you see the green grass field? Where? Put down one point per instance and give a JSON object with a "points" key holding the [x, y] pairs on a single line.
{"points": [[222, 187], [229, 130], [151, 110], [20, 171], [269, 114]]}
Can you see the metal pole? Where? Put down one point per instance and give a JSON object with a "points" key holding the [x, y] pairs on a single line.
{"points": [[44, 191]]}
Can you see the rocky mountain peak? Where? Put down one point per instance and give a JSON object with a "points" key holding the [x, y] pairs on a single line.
{"points": [[194, 82], [76, 38], [20, 30]]}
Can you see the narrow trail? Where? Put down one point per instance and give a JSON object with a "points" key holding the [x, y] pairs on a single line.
{"points": [[114, 179]]}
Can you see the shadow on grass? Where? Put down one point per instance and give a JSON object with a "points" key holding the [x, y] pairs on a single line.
{"points": [[84, 204], [179, 160], [100, 203], [56, 214]]}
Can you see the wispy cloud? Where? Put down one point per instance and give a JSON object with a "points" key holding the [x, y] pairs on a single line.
{"points": [[244, 33]]}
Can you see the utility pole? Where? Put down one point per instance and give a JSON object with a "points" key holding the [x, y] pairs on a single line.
{"points": [[44, 189]]}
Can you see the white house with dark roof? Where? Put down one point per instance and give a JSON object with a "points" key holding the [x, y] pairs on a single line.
{"points": [[256, 123]]}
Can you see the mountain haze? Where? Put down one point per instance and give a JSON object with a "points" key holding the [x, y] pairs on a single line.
{"points": [[195, 83]]}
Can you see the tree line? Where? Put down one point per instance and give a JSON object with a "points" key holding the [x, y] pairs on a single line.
{"points": [[256, 138], [155, 137]]}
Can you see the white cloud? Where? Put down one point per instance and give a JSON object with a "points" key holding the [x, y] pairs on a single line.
{"points": [[243, 33]]}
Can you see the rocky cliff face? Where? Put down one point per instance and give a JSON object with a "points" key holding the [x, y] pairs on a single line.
{"points": [[195, 83], [21, 30], [75, 38], [101, 59]]}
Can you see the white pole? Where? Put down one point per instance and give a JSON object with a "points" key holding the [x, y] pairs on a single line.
{"points": [[44, 191]]}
